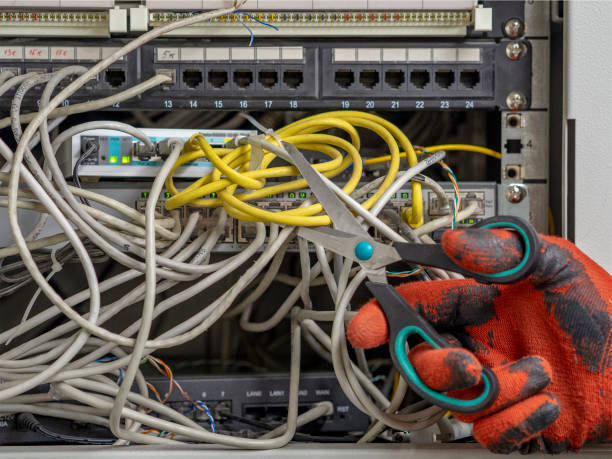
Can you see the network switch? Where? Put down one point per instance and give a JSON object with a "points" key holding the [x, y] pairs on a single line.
{"points": [[115, 154], [265, 398], [233, 400], [238, 234]]}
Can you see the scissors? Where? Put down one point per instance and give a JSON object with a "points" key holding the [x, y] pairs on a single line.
{"points": [[349, 239]]}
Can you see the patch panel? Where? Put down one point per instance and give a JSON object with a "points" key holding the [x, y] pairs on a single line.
{"points": [[45, 22], [332, 23], [298, 18], [235, 72], [311, 5], [41, 56], [467, 77], [210, 75]]}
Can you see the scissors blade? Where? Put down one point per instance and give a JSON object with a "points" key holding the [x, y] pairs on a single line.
{"points": [[344, 222], [340, 216], [344, 244]]}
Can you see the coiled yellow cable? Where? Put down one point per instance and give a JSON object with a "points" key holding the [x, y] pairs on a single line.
{"points": [[231, 169]]}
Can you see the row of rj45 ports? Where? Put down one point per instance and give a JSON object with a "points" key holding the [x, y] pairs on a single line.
{"points": [[240, 232], [397, 78], [293, 79], [190, 78], [244, 78], [244, 232], [466, 79]]}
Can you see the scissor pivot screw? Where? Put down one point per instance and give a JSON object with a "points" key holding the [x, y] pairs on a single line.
{"points": [[364, 251]]}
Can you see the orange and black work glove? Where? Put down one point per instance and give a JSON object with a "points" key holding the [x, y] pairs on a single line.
{"points": [[547, 338]]}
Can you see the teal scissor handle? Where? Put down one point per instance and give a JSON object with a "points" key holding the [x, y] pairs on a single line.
{"points": [[474, 405], [434, 255], [404, 321], [528, 251]]}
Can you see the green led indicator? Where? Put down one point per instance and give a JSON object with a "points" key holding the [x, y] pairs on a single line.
{"points": [[394, 195], [292, 195], [168, 195], [125, 160], [302, 194], [113, 160], [471, 221], [145, 194], [213, 195], [404, 195]]}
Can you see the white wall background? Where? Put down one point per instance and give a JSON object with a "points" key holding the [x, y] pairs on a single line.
{"points": [[588, 29]]}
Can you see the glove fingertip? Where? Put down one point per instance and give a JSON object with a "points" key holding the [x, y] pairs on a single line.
{"points": [[483, 250], [446, 369], [368, 328], [505, 431], [518, 381]]}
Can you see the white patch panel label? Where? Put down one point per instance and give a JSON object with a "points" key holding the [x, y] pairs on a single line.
{"points": [[11, 52], [37, 53], [62, 53]]}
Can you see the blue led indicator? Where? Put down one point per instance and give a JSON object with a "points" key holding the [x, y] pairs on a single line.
{"points": [[114, 149]]}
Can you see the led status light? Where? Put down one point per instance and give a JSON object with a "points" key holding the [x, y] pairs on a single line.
{"points": [[125, 160], [113, 160]]}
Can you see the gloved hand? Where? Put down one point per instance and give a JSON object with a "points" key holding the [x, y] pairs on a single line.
{"points": [[547, 338]]}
